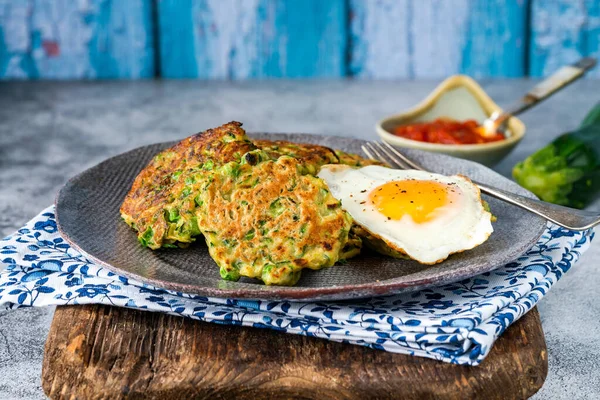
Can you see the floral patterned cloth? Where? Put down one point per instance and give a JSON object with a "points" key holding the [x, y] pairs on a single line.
{"points": [[457, 323]]}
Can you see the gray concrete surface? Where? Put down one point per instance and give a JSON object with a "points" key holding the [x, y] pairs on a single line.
{"points": [[51, 131]]}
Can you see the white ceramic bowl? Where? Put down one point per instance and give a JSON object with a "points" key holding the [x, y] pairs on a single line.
{"points": [[458, 97]]}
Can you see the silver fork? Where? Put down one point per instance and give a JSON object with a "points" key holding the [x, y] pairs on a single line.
{"points": [[570, 218]]}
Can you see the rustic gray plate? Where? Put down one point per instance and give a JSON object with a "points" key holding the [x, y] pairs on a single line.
{"points": [[87, 212]]}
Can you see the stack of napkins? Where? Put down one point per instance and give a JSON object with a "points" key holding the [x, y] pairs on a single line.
{"points": [[456, 323]]}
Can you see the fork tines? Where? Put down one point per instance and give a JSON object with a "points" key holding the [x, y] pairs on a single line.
{"points": [[385, 152]]}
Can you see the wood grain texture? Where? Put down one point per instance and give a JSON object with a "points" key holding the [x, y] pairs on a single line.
{"points": [[562, 31], [64, 39], [229, 39], [95, 352], [435, 38]]}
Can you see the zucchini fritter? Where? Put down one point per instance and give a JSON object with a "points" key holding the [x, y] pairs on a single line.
{"points": [[269, 221], [354, 160], [375, 243], [144, 208], [263, 214], [311, 156]]}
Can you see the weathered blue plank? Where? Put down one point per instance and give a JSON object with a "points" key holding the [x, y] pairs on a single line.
{"points": [[563, 31], [495, 43], [176, 39], [313, 34], [436, 38], [15, 40], [65, 39], [223, 39]]}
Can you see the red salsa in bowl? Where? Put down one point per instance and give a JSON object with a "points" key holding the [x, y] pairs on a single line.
{"points": [[446, 131]]}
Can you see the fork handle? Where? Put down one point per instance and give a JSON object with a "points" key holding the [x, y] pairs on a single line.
{"points": [[558, 80], [576, 220]]}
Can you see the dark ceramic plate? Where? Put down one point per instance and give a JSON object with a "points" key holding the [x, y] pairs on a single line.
{"points": [[87, 211]]}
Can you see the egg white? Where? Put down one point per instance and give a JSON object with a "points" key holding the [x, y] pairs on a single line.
{"points": [[461, 225]]}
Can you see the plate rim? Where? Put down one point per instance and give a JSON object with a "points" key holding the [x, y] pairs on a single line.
{"points": [[293, 293]]}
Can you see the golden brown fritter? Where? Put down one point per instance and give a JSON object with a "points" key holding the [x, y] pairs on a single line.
{"points": [[375, 243], [311, 156], [354, 160], [353, 246], [269, 221], [152, 190]]}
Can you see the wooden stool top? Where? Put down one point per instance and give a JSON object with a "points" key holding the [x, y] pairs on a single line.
{"points": [[95, 352]]}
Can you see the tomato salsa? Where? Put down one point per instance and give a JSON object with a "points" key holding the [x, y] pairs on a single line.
{"points": [[446, 131]]}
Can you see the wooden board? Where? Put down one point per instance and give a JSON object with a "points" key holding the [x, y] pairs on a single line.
{"points": [[95, 352]]}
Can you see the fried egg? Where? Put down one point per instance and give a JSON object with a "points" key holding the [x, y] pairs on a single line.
{"points": [[423, 215]]}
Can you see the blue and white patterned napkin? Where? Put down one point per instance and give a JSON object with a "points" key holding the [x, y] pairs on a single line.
{"points": [[457, 323]]}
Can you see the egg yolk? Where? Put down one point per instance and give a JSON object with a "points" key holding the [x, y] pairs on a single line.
{"points": [[419, 199]]}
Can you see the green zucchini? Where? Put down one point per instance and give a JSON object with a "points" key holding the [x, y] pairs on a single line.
{"points": [[567, 171], [593, 117]]}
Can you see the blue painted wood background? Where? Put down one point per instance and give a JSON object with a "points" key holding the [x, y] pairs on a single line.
{"points": [[242, 39], [562, 31], [66, 39], [221, 39], [436, 38]]}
